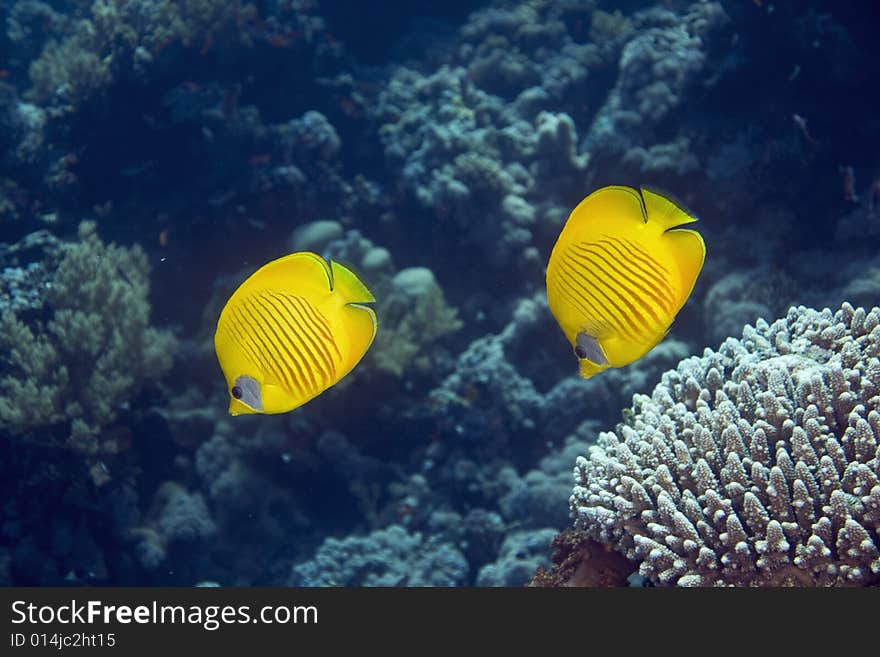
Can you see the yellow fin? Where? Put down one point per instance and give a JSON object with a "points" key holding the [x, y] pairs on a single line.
{"points": [[663, 212], [362, 326], [360, 321], [689, 251], [304, 271], [686, 247], [606, 205], [346, 283]]}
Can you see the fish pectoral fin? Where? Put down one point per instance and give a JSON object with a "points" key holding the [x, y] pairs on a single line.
{"points": [[689, 252]]}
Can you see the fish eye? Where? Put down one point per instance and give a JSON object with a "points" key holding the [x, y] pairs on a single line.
{"points": [[580, 352], [236, 392]]}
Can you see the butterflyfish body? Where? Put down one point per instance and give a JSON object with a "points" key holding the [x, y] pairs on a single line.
{"points": [[621, 269], [293, 329]]}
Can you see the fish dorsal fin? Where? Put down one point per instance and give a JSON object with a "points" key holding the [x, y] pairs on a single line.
{"points": [[616, 202], [307, 272], [663, 212]]}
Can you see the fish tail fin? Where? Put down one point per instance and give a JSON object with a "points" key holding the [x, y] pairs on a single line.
{"points": [[346, 283], [360, 319], [663, 212], [689, 253], [685, 245]]}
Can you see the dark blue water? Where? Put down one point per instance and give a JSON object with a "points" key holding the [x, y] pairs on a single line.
{"points": [[153, 154]]}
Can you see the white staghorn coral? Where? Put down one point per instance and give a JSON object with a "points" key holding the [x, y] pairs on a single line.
{"points": [[754, 465]]}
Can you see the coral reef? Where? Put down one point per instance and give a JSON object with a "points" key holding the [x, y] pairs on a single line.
{"points": [[176, 516], [742, 297], [28, 24], [452, 161], [506, 385], [437, 149], [121, 37], [415, 315], [656, 67], [243, 474], [95, 351], [757, 464], [27, 267], [472, 143], [578, 560], [521, 554], [386, 557]]}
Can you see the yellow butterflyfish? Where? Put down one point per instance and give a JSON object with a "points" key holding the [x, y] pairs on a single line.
{"points": [[293, 329], [619, 272]]}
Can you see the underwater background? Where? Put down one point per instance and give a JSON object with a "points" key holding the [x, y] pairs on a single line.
{"points": [[153, 154]]}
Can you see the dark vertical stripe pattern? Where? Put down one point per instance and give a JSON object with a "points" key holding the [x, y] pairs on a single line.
{"points": [[288, 339], [616, 283]]}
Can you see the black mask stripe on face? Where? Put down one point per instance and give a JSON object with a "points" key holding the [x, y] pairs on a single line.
{"points": [[590, 347], [250, 392]]}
